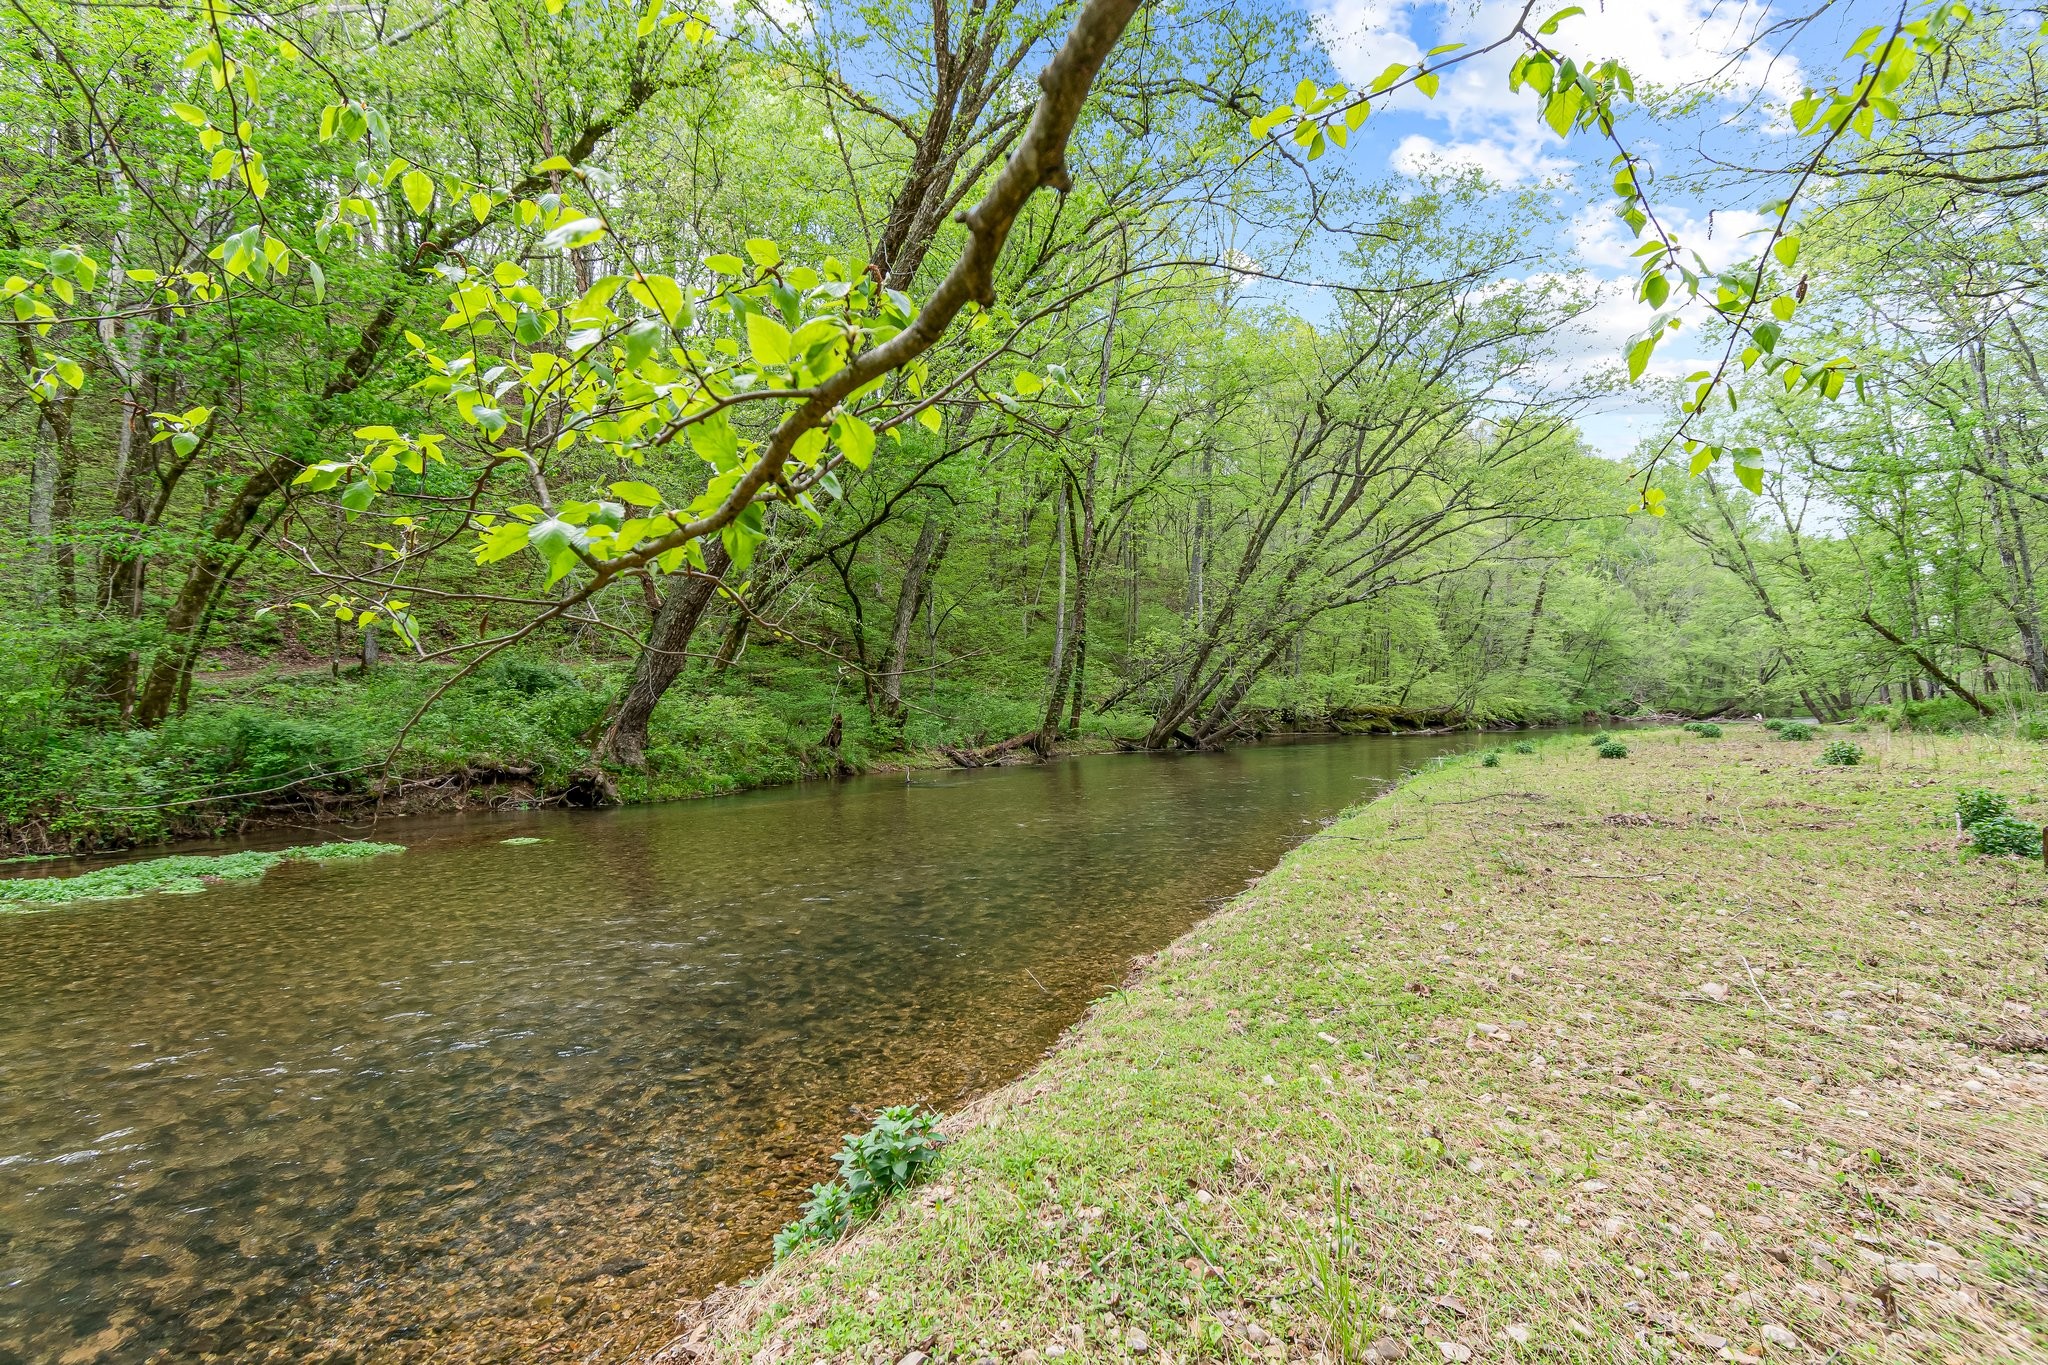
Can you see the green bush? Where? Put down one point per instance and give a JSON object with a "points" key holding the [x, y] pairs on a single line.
{"points": [[1525, 747], [1490, 759], [1613, 748], [1774, 725], [891, 1156], [1602, 738], [1975, 804], [2005, 835], [1842, 753], [1797, 730], [1705, 729]]}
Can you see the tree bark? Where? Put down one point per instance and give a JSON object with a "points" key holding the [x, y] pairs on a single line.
{"points": [[662, 660], [1934, 670], [931, 547]]}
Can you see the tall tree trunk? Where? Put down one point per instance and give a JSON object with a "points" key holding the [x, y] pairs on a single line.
{"points": [[682, 607], [931, 547], [1934, 670]]}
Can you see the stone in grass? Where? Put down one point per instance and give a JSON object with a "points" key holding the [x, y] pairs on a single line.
{"points": [[521, 841]]}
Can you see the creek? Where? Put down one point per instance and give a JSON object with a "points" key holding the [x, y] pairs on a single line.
{"points": [[491, 1101]]}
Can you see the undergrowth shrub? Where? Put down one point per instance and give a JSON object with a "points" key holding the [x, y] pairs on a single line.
{"points": [[1797, 730], [1602, 738], [1525, 747], [1705, 729], [1613, 748], [1774, 726], [2006, 836], [1974, 804], [1490, 759], [893, 1155], [1842, 753]]}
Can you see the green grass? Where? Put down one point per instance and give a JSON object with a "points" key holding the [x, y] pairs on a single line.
{"points": [[176, 876], [1667, 1058]]}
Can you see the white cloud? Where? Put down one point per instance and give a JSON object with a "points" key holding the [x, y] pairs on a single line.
{"points": [[1700, 44], [1602, 242], [1500, 162]]}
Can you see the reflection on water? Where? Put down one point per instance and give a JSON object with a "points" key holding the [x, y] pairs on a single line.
{"points": [[483, 1101]]}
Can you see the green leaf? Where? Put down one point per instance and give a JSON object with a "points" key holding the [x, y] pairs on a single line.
{"points": [[725, 265], [418, 188], [856, 440], [1751, 476], [638, 494], [763, 253], [1427, 83], [1786, 250], [319, 278], [1639, 357], [767, 339], [1028, 383], [930, 419], [1550, 24], [191, 113]]}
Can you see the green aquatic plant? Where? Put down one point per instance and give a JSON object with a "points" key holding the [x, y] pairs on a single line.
{"points": [[2006, 836], [1796, 730], [1842, 753], [182, 875], [1613, 748], [893, 1155]]}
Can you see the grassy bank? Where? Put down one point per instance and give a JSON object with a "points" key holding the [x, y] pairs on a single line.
{"points": [[1711, 1051]]}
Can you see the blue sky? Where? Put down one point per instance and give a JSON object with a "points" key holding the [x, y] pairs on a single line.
{"points": [[1691, 45]]}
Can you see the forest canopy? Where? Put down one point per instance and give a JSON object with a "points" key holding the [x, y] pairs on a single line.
{"points": [[578, 397]]}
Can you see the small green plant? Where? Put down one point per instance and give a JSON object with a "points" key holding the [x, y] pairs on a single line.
{"points": [[1490, 759], [891, 1156], [1974, 804], [1525, 747], [1613, 748], [1705, 729], [1774, 725], [1601, 738], [1797, 730], [828, 1214], [2006, 836], [1842, 753]]}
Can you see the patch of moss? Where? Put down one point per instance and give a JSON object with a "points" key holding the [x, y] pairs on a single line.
{"points": [[174, 876]]}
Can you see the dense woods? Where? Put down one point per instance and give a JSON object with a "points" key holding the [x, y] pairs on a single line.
{"points": [[575, 400]]}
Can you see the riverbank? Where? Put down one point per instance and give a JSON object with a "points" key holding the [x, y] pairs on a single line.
{"points": [[1711, 1049], [280, 748]]}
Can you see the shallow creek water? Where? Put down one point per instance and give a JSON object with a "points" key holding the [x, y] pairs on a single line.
{"points": [[481, 1101]]}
